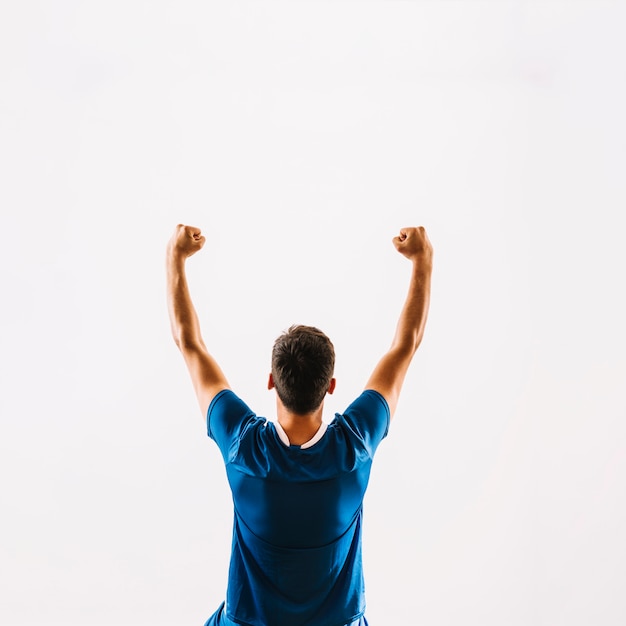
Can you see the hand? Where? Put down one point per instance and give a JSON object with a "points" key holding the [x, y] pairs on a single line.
{"points": [[413, 243], [185, 241]]}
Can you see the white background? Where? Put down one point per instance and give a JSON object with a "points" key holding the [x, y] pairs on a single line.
{"points": [[300, 136]]}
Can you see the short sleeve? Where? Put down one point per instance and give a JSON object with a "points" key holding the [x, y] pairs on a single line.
{"points": [[368, 419], [227, 417]]}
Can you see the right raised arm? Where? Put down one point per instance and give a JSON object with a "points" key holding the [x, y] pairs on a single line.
{"points": [[388, 376]]}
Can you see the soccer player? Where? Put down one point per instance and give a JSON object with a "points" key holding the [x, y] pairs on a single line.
{"points": [[297, 484]]}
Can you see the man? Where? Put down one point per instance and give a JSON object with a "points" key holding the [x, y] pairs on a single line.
{"points": [[297, 485]]}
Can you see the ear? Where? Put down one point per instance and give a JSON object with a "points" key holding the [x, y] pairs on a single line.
{"points": [[331, 387], [270, 382]]}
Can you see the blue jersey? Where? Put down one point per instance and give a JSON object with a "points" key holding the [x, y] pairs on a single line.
{"points": [[296, 551]]}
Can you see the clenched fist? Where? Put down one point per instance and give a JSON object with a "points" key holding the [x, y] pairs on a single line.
{"points": [[413, 243], [185, 241]]}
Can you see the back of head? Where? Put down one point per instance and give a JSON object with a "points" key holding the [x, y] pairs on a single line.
{"points": [[303, 361]]}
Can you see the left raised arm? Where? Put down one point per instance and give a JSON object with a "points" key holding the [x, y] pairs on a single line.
{"points": [[206, 375]]}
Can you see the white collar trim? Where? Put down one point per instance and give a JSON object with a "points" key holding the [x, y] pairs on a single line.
{"points": [[311, 442]]}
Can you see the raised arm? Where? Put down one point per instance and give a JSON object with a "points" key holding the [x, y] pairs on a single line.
{"points": [[388, 375], [207, 377]]}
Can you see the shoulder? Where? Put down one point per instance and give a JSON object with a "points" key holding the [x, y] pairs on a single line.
{"points": [[227, 416], [375, 399], [225, 400], [372, 403], [366, 419]]}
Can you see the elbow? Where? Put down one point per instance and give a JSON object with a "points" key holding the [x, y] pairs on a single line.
{"points": [[186, 343], [177, 336], [417, 341], [408, 346]]}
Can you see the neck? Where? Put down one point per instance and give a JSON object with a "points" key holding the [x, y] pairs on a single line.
{"points": [[299, 428]]}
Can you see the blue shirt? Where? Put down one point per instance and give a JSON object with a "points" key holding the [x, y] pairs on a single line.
{"points": [[296, 551]]}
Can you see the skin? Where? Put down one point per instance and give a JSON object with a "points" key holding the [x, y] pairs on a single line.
{"points": [[388, 375]]}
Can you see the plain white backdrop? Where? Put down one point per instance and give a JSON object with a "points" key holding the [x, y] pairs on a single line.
{"points": [[300, 136]]}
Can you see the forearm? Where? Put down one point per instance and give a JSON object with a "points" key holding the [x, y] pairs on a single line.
{"points": [[412, 321], [183, 317]]}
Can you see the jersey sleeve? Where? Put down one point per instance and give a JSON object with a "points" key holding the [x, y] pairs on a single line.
{"points": [[368, 419], [227, 417]]}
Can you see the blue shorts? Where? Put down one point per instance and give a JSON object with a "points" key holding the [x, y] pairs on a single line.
{"points": [[219, 619]]}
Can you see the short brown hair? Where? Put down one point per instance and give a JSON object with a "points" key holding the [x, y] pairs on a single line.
{"points": [[303, 362]]}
